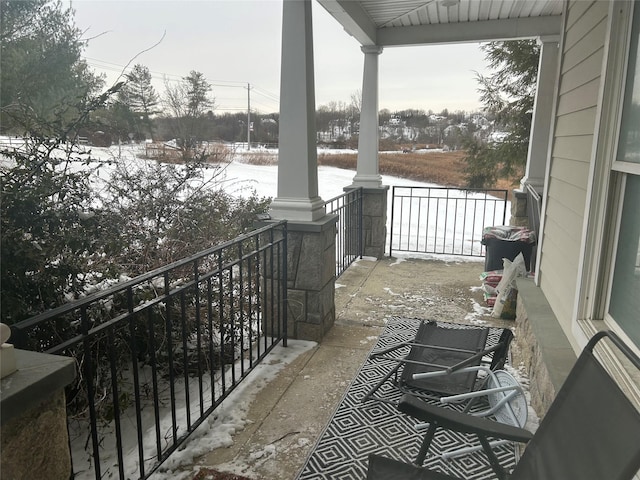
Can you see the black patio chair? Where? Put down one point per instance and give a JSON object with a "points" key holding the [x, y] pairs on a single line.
{"points": [[442, 346], [591, 431]]}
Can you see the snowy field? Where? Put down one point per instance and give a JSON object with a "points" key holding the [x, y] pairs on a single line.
{"points": [[459, 234]]}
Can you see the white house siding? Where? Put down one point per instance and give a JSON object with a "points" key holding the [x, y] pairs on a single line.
{"points": [[581, 68]]}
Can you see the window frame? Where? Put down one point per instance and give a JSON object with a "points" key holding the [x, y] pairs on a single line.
{"points": [[606, 189], [619, 172]]}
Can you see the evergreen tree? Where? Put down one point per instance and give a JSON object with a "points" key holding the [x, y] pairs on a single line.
{"points": [[508, 95], [141, 99], [118, 121], [198, 101], [41, 70]]}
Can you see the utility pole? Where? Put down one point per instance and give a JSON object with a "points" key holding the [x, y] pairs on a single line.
{"points": [[248, 116]]}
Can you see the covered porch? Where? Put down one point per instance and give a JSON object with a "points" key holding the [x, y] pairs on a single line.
{"points": [[289, 414], [378, 25]]}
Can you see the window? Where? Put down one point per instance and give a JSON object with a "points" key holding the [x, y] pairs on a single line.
{"points": [[624, 300], [624, 305]]}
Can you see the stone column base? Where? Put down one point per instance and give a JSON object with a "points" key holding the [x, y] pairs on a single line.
{"points": [[374, 220], [36, 445], [311, 267], [311, 278], [519, 215]]}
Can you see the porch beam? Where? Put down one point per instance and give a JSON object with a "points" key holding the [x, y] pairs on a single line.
{"points": [[467, 32], [353, 19]]}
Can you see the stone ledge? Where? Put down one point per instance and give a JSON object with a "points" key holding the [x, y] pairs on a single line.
{"points": [[325, 223], [541, 345], [377, 190], [38, 375]]}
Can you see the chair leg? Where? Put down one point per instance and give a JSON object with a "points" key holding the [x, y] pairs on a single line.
{"points": [[369, 394], [493, 460], [473, 400], [426, 443]]}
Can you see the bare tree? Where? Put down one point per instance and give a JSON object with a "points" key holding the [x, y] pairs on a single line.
{"points": [[188, 102], [356, 103]]}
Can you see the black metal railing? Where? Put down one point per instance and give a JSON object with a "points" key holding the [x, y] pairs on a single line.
{"points": [[158, 353], [349, 235], [534, 211], [442, 220]]}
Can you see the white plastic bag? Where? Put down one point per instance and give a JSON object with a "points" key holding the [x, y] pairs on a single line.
{"points": [[507, 290]]}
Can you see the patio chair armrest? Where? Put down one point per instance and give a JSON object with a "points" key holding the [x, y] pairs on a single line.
{"points": [[461, 422], [470, 361]]}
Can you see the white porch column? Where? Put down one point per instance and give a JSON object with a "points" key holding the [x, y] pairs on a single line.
{"points": [[297, 198], [311, 233], [542, 114], [367, 174]]}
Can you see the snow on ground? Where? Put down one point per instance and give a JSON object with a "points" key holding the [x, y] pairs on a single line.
{"points": [[231, 416], [216, 431], [331, 180], [238, 177]]}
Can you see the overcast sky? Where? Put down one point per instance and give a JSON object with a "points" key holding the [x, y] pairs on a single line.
{"points": [[235, 43]]}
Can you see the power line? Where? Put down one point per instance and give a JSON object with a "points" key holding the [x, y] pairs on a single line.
{"points": [[267, 95], [159, 75], [123, 69], [254, 101]]}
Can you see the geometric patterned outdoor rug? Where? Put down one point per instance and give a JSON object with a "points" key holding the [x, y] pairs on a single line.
{"points": [[358, 429]]}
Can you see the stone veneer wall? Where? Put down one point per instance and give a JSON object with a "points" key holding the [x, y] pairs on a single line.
{"points": [[374, 221], [34, 441], [540, 345], [526, 352], [35, 444], [519, 215]]}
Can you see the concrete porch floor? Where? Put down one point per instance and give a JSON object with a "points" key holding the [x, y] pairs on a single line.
{"points": [[290, 413]]}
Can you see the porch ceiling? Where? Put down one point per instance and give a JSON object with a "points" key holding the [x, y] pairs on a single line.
{"points": [[419, 22]]}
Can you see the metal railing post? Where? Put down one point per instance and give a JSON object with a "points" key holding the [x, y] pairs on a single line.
{"points": [[285, 296], [393, 211], [360, 221], [348, 248]]}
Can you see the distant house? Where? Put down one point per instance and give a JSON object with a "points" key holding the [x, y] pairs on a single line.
{"points": [[479, 120], [455, 129]]}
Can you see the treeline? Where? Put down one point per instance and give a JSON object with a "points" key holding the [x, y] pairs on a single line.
{"points": [[186, 112]]}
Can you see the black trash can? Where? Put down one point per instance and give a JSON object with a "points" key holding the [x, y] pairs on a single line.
{"points": [[507, 242]]}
